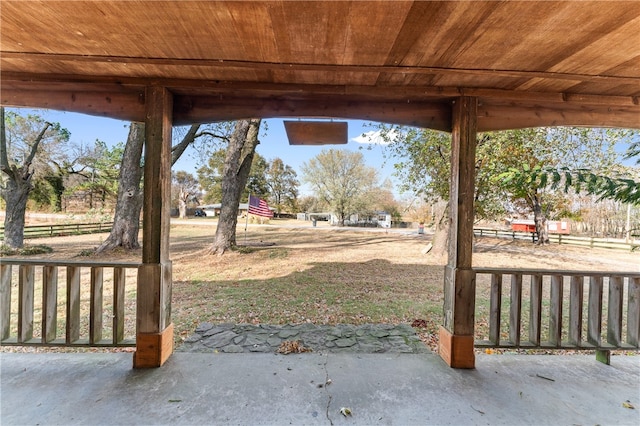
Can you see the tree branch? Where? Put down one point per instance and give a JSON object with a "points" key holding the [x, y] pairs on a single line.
{"points": [[213, 135], [36, 143], [178, 150]]}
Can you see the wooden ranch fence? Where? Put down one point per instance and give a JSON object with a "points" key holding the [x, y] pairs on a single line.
{"points": [[67, 303], [58, 230], [590, 242]]}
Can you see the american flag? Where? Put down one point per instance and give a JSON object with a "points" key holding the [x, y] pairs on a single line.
{"points": [[259, 207]]}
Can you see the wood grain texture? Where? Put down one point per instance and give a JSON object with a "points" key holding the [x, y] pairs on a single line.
{"points": [[614, 317], [49, 303], [26, 277], [96, 304], [73, 304], [576, 297], [5, 300], [594, 328], [633, 312]]}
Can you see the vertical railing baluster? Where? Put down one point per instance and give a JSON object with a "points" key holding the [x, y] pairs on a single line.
{"points": [[614, 322], [515, 309], [119, 281], [633, 312], [535, 309], [49, 303], [25, 296], [73, 304], [95, 313], [576, 300], [495, 302], [5, 301], [594, 330], [555, 311]]}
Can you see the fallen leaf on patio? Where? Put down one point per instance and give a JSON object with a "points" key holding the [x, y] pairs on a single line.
{"points": [[628, 404], [292, 347], [345, 411], [489, 351]]}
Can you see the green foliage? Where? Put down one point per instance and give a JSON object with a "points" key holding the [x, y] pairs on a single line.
{"points": [[519, 170], [102, 170], [283, 184], [210, 178]]}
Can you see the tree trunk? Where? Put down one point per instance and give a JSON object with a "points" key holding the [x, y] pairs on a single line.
{"points": [[126, 222], [16, 195], [237, 165], [182, 204], [541, 222], [440, 241]]}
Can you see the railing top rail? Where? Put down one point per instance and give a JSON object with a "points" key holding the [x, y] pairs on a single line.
{"points": [[62, 262], [526, 271]]}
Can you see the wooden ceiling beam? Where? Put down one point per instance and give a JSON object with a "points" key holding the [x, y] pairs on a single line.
{"points": [[203, 109], [331, 68], [117, 105], [504, 116], [62, 82], [413, 106]]}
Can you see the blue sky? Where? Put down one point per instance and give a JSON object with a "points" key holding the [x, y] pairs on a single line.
{"points": [[85, 129]]}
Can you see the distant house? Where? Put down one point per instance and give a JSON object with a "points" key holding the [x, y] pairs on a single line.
{"points": [[213, 210], [379, 219]]}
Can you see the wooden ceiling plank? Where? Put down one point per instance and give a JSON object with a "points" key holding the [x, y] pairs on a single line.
{"points": [[560, 54], [599, 56]]}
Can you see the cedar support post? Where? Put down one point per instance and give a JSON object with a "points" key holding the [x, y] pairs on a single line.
{"points": [[154, 330], [457, 335]]}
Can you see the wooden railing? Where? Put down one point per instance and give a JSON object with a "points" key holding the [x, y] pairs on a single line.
{"points": [[547, 309], [62, 229], [67, 303]]}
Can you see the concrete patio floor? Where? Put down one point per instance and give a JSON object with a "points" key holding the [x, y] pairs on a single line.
{"points": [[311, 388]]}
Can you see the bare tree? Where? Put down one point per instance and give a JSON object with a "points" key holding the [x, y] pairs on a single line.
{"points": [[185, 185], [341, 179]]}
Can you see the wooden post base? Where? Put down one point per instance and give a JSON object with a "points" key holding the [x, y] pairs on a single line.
{"points": [[153, 349], [456, 350]]}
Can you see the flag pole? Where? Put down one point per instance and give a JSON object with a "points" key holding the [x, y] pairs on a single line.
{"points": [[246, 223]]}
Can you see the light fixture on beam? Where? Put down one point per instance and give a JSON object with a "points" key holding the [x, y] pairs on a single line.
{"points": [[316, 132]]}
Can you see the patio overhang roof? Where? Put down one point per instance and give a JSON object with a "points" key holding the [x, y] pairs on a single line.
{"points": [[528, 63]]}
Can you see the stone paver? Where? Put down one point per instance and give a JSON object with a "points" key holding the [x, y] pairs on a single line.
{"points": [[367, 338]]}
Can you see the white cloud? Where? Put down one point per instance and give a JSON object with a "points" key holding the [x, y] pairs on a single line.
{"points": [[374, 137]]}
